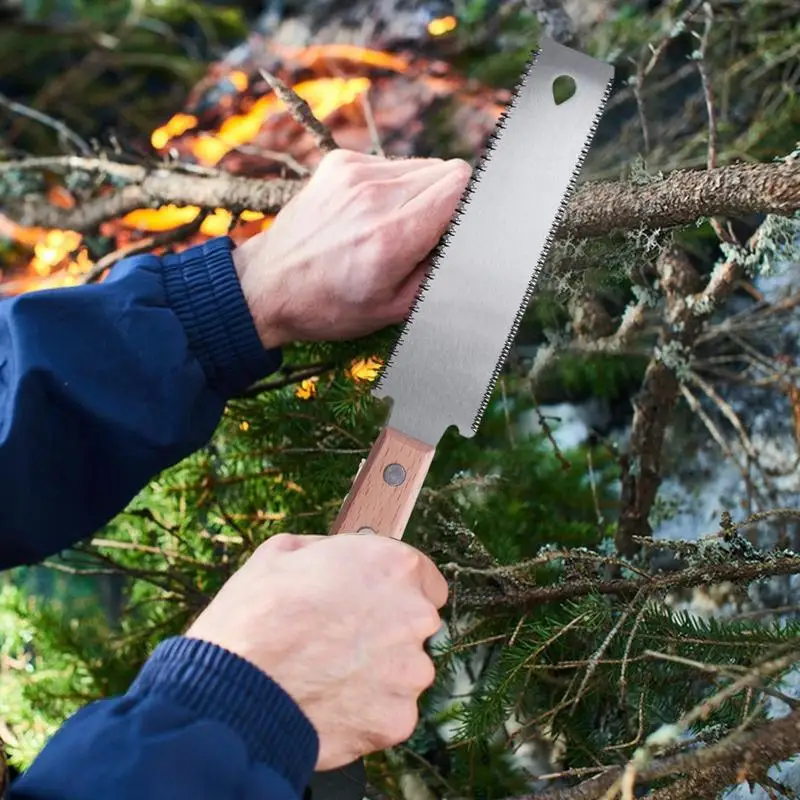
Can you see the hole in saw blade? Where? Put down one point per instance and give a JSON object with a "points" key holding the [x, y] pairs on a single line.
{"points": [[564, 88]]}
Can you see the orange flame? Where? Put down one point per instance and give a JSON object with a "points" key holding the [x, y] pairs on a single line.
{"points": [[59, 258], [438, 27], [324, 95]]}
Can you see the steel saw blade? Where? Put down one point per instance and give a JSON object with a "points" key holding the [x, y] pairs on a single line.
{"points": [[444, 365]]}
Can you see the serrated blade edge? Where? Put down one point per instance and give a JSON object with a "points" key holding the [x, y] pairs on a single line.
{"points": [[443, 320]]}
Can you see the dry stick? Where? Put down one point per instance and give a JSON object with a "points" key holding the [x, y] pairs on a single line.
{"points": [[61, 128], [157, 188], [512, 571], [149, 243], [374, 134], [716, 435], [600, 652], [725, 671], [302, 112], [602, 207], [725, 235], [626, 656], [595, 209], [282, 158], [728, 412], [644, 68]]}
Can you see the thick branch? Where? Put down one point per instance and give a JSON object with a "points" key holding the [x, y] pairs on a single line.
{"points": [[683, 196], [744, 754], [596, 208], [518, 596], [641, 466], [157, 188]]}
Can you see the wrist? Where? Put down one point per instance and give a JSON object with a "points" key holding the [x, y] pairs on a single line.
{"points": [[217, 684], [203, 289], [263, 294]]}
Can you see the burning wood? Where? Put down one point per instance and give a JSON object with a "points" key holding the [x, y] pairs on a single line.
{"points": [[234, 122]]}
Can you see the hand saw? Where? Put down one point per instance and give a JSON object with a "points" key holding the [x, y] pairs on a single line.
{"points": [[446, 361]]}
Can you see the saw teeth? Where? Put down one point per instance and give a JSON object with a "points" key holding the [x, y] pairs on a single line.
{"points": [[440, 248], [543, 256]]}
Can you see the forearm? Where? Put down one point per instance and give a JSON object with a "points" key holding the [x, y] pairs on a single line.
{"points": [[102, 387], [199, 722]]}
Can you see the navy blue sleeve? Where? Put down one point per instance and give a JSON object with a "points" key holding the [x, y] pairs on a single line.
{"points": [[104, 386], [199, 723]]}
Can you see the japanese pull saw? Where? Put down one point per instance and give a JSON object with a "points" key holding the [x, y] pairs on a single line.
{"points": [[458, 334], [444, 365]]}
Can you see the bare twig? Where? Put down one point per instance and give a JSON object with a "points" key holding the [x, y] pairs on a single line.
{"points": [[147, 244], [61, 128], [296, 376], [374, 134], [302, 112], [727, 671]]}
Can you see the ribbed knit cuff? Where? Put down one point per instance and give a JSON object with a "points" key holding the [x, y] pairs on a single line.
{"points": [[217, 684], [203, 290]]}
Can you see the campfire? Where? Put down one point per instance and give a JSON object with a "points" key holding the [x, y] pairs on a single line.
{"points": [[233, 121]]}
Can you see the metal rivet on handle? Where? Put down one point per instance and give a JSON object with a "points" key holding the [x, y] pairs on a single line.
{"points": [[394, 474], [365, 530]]}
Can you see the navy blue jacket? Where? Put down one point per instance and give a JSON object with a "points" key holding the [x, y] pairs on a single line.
{"points": [[101, 388]]}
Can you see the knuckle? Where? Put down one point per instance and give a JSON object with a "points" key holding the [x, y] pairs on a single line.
{"points": [[427, 622], [279, 541], [411, 557], [406, 722], [403, 723], [337, 158], [365, 194], [423, 673]]}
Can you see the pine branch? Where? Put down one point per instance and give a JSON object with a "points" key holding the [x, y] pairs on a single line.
{"points": [[596, 209], [708, 770], [512, 596]]}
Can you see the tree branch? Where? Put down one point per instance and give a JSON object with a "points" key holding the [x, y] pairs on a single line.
{"points": [[302, 112], [156, 188], [519, 596], [708, 770], [596, 208], [682, 197]]}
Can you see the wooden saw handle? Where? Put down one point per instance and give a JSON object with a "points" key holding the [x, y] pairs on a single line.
{"points": [[386, 487]]}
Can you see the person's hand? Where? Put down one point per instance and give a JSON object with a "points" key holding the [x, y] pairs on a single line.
{"points": [[346, 255], [339, 622]]}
